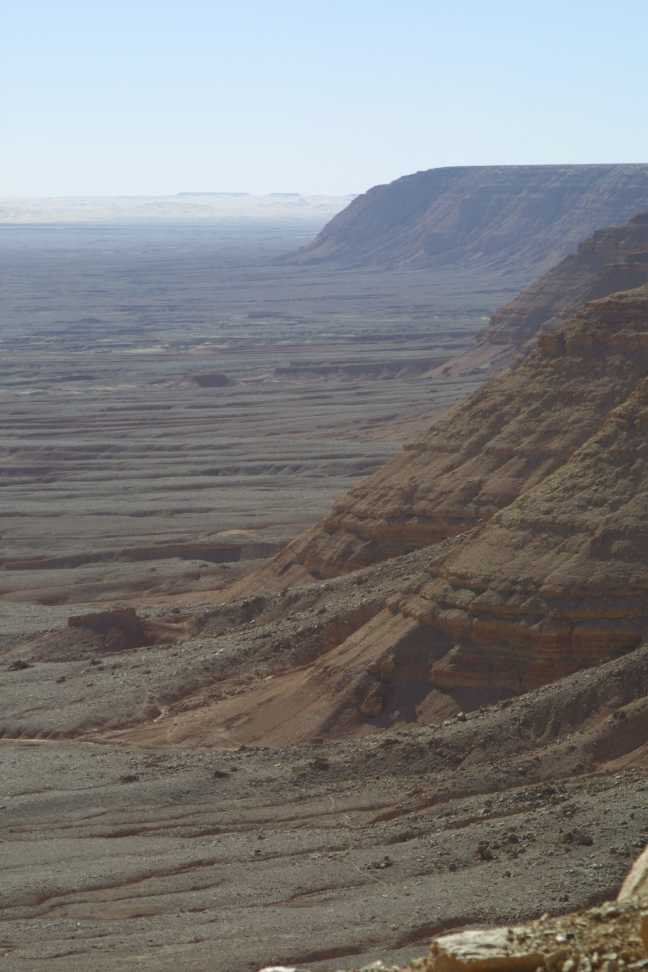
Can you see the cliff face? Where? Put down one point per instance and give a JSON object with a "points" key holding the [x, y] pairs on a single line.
{"points": [[555, 581], [514, 218], [611, 260]]}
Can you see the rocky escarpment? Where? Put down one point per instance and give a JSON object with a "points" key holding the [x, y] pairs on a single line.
{"points": [[553, 577], [503, 441], [514, 218], [556, 580], [611, 260]]}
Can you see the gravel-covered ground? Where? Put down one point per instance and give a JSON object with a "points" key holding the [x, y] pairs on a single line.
{"points": [[330, 854]]}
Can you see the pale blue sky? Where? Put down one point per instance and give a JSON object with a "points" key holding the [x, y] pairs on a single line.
{"points": [[151, 96]]}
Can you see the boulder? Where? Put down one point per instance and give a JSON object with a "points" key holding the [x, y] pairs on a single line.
{"points": [[636, 885], [119, 629], [487, 950]]}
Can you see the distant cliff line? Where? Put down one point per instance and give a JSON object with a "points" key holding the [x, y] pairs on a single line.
{"points": [[522, 219]]}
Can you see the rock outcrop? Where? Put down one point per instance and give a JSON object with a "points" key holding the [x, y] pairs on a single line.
{"points": [[636, 883], [571, 942], [556, 580], [611, 260], [611, 936], [122, 629], [514, 218]]}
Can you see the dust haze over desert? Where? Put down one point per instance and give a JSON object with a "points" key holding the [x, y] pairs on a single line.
{"points": [[324, 488]]}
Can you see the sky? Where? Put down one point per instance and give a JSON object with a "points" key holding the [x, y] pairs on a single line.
{"points": [[157, 97]]}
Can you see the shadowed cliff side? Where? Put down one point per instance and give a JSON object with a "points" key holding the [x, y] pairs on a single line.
{"points": [[613, 259], [515, 218]]}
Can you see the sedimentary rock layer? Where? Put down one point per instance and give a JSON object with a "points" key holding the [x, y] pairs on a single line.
{"points": [[556, 580]]}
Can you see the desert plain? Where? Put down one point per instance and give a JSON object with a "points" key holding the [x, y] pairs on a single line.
{"points": [[179, 401]]}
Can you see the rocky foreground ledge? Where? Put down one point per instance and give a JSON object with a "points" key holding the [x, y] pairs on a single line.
{"points": [[612, 937]]}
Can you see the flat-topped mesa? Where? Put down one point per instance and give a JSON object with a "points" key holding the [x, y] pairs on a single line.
{"points": [[504, 440], [611, 260], [520, 219]]}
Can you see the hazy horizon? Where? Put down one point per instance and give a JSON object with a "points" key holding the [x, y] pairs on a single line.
{"points": [[186, 207], [279, 194], [225, 193], [143, 98]]}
